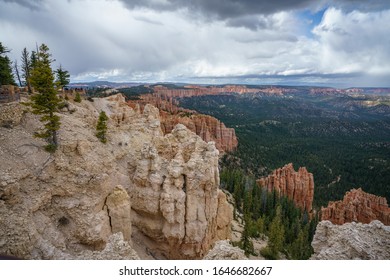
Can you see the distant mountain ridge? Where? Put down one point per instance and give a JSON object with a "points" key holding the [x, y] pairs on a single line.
{"points": [[104, 84], [248, 87]]}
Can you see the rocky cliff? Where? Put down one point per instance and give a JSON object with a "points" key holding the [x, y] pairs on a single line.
{"points": [[85, 200], [207, 127], [297, 185], [351, 241], [195, 90], [357, 206]]}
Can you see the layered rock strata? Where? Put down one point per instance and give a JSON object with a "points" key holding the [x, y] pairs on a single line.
{"points": [[357, 206], [195, 90], [207, 127], [351, 241], [297, 185], [87, 195]]}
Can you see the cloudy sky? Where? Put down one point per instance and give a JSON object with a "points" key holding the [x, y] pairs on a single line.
{"points": [[339, 43]]}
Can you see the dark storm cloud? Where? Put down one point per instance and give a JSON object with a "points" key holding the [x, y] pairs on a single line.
{"points": [[221, 8], [294, 76], [244, 13], [224, 9], [250, 22], [343, 80], [230, 40], [31, 4], [363, 5]]}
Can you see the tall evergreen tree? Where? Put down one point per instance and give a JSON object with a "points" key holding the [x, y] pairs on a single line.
{"points": [[62, 77], [101, 127], [300, 249], [246, 243], [275, 235], [26, 68], [6, 75], [33, 59], [45, 102]]}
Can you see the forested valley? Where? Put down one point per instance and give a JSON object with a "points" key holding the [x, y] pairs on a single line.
{"points": [[344, 143]]}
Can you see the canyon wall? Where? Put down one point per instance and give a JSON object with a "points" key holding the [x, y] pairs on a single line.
{"points": [[297, 185], [207, 127], [195, 90], [88, 198], [357, 206]]}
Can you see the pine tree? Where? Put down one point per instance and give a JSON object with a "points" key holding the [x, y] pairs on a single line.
{"points": [[45, 102], [6, 75], [101, 127], [276, 232], [33, 59], [300, 249], [275, 236], [77, 97], [260, 225], [26, 68], [246, 243], [63, 77]]}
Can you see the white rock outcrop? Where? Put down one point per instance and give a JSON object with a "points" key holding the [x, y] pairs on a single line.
{"points": [[351, 241], [223, 250], [76, 199]]}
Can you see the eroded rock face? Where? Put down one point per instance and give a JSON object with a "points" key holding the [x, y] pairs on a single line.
{"points": [[195, 90], [207, 127], [357, 206], [351, 241], [224, 217], [175, 194], [297, 185], [118, 206], [73, 201]]}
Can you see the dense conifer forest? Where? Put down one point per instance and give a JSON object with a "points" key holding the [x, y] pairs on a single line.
{"points": [[344, 143]]}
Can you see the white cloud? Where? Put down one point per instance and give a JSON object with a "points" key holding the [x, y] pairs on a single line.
{"points": [[98, 39], [354, 42]]}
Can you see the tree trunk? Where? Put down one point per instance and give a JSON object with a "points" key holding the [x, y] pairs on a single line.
{"points": [[55, 138], [29, 87], [17, 72]]}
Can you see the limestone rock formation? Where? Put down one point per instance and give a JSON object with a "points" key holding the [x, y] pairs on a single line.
{"points": [[357, 206], [351, 241], [224, 217], [175, 193], [116, 249], [78, 200], [223, 250], [207, 127], [118, 206], [297, 185]]}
